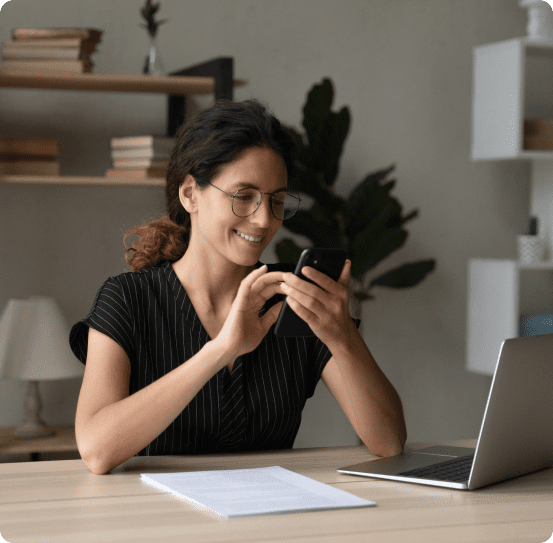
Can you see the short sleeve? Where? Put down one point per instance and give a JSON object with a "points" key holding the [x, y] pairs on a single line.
{"points": [[320, 355], [110, 315]]}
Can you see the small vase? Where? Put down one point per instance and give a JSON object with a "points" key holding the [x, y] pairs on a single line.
{"points": [[153, 64], [531, 249]]}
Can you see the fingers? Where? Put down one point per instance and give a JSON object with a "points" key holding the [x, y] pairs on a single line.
{"points": [[327, 283], [268, 284], [271, 316]]}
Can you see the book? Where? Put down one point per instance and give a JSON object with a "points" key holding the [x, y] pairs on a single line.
{"points": [[91, 34], [34, 66], [143, 173], [29, 167], [252, 492], [47, 42], [139, 153], [140, 163], [153, 141], [66, 53], [538, 134], [29, 147]]}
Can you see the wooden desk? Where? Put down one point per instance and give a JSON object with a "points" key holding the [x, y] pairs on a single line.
{"points": [[63, 501], [63, 440]]}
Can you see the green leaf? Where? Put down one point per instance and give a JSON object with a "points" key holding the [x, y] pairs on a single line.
{"points": [[366, 200], [322, 232], [332, 138], [326, 132], [413, 215], [371, 181], [405, 276], [307, 181], [316, 110], [287, 251], [374, 228], [366, 254]]}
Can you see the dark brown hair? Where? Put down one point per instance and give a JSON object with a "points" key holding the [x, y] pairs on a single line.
{"points": [[204, 145]]}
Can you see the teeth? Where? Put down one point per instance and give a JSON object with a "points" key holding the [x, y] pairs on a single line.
{"points": [[249, 238]]}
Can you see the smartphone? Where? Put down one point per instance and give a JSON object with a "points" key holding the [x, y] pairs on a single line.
{"points": [[328, 261]]}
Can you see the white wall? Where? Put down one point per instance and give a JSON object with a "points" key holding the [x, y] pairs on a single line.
{"points": [[404, 67]]}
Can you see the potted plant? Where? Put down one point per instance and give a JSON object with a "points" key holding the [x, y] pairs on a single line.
{"points": [[368, 224]]}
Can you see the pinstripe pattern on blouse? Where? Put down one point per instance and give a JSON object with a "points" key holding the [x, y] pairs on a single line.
{"points": [[257, 406]]}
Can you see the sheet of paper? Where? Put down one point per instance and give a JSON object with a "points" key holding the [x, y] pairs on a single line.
{"points": [[256, 491]]}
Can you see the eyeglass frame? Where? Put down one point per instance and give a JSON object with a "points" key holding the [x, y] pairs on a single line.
{"points": [[271, 194]]}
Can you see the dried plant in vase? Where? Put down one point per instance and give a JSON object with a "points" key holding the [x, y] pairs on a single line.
{"points": [[152, 64]]}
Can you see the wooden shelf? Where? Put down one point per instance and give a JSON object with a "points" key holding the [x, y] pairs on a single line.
{"points": [[74, 180], [173, 85]]}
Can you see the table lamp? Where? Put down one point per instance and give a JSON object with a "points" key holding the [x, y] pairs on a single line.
{"points": [[34, 346]]}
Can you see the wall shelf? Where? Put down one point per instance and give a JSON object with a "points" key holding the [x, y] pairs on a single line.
{"points": [[214, 76], [211, 77], [174, 84], [511, 82], [500, 292], [81, 180]]}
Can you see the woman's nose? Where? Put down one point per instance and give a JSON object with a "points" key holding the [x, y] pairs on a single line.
{"points": [[263, 213]]}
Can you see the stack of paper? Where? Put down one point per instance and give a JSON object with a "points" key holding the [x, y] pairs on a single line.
{"points": [[251, 492]]}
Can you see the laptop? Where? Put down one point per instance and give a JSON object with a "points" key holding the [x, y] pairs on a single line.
{"points": [[516, 436]]}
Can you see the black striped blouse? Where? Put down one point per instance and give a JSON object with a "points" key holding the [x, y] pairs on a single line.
{"points": [[257, 406]]}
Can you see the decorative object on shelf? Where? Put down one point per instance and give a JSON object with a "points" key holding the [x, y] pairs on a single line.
{"points": [[140, 157], [34, 346], [539, 19], [368, 224], [534, 325], [50, 50], [538, 134], [531, 248], [153, 64], [29, 157]]}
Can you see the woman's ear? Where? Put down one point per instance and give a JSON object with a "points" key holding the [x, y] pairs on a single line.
{"points": [[187, 193]]}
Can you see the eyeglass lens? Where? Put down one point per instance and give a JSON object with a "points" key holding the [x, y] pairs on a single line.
{"points": [[283, 204]]}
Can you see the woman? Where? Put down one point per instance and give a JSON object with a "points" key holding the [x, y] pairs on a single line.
{"points": [[179, 354]]}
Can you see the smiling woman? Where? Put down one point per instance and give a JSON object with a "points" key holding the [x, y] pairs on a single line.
{"points": [[179, 357]]}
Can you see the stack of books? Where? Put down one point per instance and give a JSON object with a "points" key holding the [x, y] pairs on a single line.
{"points": [[29, 157], [50, 50], [139, 157]]}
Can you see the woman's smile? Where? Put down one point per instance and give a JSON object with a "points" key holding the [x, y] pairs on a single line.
{"points": [[250, 238]]}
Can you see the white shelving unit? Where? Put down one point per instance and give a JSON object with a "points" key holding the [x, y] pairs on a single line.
{"points": [[512, 81], [500, 292]]}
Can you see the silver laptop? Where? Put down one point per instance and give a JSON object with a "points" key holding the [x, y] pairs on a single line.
{"points": [[516, 436]]}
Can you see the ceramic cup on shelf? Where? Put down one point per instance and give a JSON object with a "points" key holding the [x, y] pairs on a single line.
{"points": [[531, 248]]}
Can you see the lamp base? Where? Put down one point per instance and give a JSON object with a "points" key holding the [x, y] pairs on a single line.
{"points": [[32, 428]]}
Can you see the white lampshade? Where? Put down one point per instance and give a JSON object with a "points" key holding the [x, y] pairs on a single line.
{"points": [[34, 342]]}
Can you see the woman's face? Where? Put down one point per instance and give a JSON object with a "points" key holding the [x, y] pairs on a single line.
{"points": [[218, 225]]}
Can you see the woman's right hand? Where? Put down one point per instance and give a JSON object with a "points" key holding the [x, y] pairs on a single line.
{"points": [[244, 329]]}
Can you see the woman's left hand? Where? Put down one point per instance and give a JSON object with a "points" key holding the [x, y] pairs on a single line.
{"points": [[325, 308]]}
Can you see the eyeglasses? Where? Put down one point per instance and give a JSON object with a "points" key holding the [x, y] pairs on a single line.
{"points": [[284, 203]]}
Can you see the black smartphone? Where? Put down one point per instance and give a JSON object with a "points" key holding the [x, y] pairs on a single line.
{"points": [[328, 261]]}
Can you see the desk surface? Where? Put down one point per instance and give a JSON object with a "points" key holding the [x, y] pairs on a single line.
{"points": [[63, 501]]}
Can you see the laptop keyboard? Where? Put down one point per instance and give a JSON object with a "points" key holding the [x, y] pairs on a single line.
{"points": [[456, 470]]}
